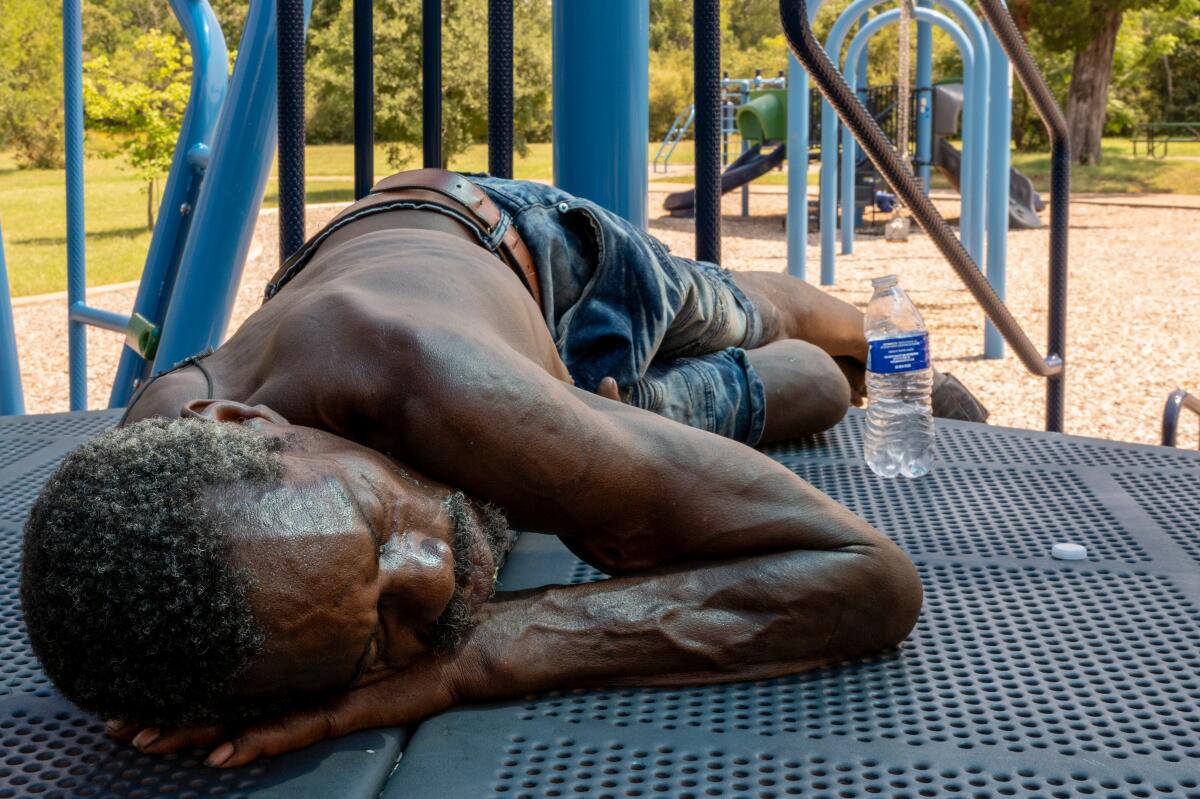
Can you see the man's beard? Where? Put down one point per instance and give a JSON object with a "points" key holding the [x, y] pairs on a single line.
{"points": [[473, 521]]}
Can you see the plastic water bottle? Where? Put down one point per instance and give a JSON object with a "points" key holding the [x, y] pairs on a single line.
{"points": [[899, 431]]}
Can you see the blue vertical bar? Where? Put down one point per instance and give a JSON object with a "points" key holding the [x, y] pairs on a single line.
{"points": [[924, 96], [364, 97], [227, 208], [998, 166], [601, 102], [72, 19], [797, 156], [12, 398], [745, 98]]}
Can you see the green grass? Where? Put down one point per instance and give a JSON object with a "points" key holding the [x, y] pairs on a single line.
{"points": [[33, 202], [33, 213], [33, 210]]}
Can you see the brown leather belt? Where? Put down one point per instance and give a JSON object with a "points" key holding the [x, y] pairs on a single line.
{"points": [[436, 189]]}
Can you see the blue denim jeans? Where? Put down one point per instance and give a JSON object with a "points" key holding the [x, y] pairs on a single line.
{"points": [[671, 331]]}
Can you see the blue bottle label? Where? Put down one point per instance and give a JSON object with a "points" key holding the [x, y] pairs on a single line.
{"points": [[888, 356]]}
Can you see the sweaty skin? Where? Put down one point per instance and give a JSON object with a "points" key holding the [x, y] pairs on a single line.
{"points": [[400, 380]]}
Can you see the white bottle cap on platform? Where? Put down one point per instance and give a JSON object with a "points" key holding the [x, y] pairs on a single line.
{"points": [[1064, 551]]}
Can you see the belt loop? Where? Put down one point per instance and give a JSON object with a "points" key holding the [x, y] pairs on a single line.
{"points": [[496, 234]]}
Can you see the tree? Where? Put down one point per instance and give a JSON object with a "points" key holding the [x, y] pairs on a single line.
{"points": [[398, 75], [31, 82], [1089, 30], [140, 95]]}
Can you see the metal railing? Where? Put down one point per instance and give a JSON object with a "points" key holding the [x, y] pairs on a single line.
{"points": [[210, 81], [1179, 401], [679, 128], [12, 398], [866, 131]]}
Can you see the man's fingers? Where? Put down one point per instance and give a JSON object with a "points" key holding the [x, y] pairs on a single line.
{"points": [[178, 739], [122, 730], [609, 389], [268, 739]]}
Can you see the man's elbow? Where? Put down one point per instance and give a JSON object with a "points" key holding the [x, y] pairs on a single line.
{"points": [[886, 603]]}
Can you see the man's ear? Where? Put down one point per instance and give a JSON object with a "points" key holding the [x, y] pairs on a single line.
{"points": [[218, 410]]}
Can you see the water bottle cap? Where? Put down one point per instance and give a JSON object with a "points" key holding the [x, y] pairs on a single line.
{"points": [[1065, 551], [885, 282]]}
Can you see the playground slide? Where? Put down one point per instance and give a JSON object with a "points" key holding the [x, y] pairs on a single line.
{"points": [[750, 165], [1023, 200]]}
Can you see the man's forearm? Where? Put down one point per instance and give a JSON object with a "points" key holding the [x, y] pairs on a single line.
{"points": [[710, 622]]}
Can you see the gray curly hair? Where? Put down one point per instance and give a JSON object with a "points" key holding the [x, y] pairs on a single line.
{"points": [[129, 592]]}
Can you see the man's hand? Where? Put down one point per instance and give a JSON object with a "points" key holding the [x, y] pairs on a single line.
{"points": [[393, 699]]}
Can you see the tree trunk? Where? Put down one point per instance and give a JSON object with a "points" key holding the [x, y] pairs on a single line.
{"points": [[1020, 10], [1087, 99], [150, 206]]}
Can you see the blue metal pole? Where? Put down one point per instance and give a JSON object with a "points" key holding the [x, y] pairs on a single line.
{"points": [[924, 96], [797, 156], [72, 18], [745, 98], [971, 134], [210, 83], [227, 208], [601, 102], [97, 317], [797, 152], [12, 398], [998, 166], [855, 13]]}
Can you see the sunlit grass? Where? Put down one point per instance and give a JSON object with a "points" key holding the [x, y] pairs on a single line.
{"points": [[33, 202]]}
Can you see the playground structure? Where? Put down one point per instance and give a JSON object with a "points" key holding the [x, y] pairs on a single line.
{"points": [[761, 115], [1026, 676]]}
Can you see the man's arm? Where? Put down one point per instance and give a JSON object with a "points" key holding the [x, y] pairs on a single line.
{"points": [[627, 489], [747, 619], [744, 619]]}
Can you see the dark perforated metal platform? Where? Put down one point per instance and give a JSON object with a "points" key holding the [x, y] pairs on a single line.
{"points": [[1026, 676]]}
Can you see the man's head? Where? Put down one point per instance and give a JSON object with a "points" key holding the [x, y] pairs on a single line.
{"points": [[219, 566]]}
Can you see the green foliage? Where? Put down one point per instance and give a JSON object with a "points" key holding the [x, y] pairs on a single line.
{"points": [[1157, 70], [31, 82], [670, 25], [398, 75], [140, 96], [1068, 25]]}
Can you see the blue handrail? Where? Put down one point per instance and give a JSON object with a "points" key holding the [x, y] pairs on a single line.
{"points": [[210, 84], [227, 208], [12, 399], [209, 81], [72, 19]]}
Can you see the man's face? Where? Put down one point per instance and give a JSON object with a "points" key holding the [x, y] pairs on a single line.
{"points": [[358, 567]]}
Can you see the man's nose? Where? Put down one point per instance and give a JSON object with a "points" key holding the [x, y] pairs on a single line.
{"points": [[417, 571]]}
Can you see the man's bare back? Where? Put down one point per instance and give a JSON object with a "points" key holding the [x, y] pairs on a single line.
{"points": [[405, 365]]}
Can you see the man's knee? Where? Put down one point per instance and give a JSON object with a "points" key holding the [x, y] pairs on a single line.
{"points": [[806, 390]]}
